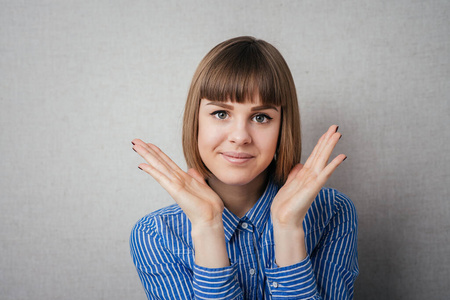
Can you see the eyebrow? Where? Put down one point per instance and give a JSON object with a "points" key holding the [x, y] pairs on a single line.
{"points": [[230, 107]]}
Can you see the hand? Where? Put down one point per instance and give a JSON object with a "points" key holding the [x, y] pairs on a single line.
{"points": [[304, 182], [189, 189], [199, 202]]}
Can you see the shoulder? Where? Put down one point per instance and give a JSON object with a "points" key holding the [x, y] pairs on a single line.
{"points": [[332, 207], [166, 230], [338, 201], [162, 219]]}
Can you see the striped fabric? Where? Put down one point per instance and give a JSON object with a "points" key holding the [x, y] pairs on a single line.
{"points": [[163, 253]]}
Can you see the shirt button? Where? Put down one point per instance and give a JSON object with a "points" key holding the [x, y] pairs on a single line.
{"points": [[244, 225], [275, 284], [252, 271]]}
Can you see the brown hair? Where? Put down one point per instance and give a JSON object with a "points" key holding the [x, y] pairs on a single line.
{"points": [[234, 70]]}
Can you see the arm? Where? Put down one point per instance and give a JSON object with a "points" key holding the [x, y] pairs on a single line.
{"points": [[335, 259], [329, 272], [212, 274], [167, 274], [162, 274], [289, 209]]}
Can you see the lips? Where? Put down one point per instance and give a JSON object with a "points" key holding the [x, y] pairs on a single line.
{"points": [[237, 157]]}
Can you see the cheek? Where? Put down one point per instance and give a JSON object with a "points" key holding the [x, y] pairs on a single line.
{"points": [[268, 141], [207, 137]]}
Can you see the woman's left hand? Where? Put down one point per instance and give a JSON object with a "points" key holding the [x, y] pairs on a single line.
{"points": [[304, 182]]}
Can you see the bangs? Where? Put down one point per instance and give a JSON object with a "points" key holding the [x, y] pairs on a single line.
{"points": [[240, 72]]}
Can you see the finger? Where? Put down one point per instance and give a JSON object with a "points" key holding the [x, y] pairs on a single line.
{"points": [[147, 146], [331, 167], [157, 153], [138, 142], [314, 152], [161, 178], [323, 157], [332, 130], [168, 162], [154, 160], [320, 144], [165, 157]]}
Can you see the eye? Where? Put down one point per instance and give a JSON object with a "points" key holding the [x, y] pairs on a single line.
{"points": [[261, 118], [220, 114]]}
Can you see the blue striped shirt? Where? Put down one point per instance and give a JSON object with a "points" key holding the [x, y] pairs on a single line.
{"points": [[163, 253]]}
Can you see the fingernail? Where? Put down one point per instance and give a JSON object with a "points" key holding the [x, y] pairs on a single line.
{"points": [[132, 143], [337, 128], [141, 168], [340, 136], [344, 158], [134, 150]]}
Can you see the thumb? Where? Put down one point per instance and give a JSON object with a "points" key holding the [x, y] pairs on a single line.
{"points": [[293, 173]]}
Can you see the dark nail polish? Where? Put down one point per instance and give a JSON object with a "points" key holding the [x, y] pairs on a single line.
{"points": [[340, 136], [344, 158], [337, 128], [141, 168], [132, 143]]}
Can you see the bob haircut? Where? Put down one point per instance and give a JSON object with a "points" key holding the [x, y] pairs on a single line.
{"points": [[235, 70]]}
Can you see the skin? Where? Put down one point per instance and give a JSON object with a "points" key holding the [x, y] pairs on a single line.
{"points": [[237, 142]]}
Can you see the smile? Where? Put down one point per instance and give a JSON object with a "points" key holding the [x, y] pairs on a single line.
{"points": [[237, 157]]}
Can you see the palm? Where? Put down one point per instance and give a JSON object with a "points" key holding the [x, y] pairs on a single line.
{"points": [[305, 181], [198, 201]]}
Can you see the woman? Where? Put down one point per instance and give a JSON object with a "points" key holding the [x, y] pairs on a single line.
{"points": [[250, 221]]}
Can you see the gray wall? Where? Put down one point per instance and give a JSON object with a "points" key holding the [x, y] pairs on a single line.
{"points": [[81, 79]]}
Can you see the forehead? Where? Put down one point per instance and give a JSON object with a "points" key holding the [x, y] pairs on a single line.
{"points": [[253, 105]]}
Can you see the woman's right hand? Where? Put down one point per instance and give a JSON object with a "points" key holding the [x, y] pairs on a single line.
{"points": [[189, 189], [198, 201]]}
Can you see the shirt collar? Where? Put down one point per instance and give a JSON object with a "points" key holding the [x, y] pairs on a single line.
{"points": [[257, 215]]}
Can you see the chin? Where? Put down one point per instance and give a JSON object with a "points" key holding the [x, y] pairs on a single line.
{"points": [[234, 179]]}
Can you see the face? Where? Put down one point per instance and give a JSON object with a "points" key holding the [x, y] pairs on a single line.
{"points": [[237, 141]]}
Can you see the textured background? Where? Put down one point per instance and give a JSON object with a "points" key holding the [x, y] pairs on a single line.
{"points": [[81, 79]]}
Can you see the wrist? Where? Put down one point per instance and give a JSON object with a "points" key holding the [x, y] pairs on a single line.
{"points": [[207, 229], [290, 247], [286, 233], [291, 224], [210, 246]]}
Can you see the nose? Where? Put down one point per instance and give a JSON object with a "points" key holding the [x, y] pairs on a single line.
{"points": [[239, 134]]}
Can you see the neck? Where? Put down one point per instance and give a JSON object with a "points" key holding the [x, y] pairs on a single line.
{"points": [[239, 199]]}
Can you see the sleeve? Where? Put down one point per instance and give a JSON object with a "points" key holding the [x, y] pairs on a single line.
{"points": [[220, 283], [292, 282], [329, 272], [335, 259], [165, 276], [162, 275]]}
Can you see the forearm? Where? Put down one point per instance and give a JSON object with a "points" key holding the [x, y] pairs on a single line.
{"points": [[292, 274], [214, 278]]}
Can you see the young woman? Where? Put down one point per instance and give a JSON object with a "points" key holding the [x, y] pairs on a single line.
{"points": [[250, 221]]}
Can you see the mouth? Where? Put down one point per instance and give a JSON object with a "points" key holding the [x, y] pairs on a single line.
{"points": [[237, 157]]}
